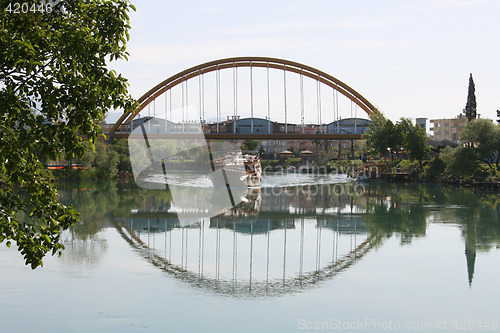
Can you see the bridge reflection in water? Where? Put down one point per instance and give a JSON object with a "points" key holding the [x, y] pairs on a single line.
{"points": [[283, 239], [247, 253]]}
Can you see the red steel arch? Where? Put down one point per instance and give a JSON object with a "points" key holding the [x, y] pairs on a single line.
{"points": [[266, 62]]}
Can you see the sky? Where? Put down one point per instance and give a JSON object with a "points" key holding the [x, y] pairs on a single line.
{"points": [[408, 58]]}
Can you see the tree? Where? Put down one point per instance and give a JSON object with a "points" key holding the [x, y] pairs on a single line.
{"points": [[250, 145], [55, 89], [459, 160], [103, 159], [121, 147], [470, 107], [484, 137], [498, 115], [393, 137], [376, 135], [415, 140], [383, 135]]}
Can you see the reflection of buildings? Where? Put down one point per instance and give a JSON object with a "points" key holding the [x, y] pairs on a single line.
{"points": [[250, 225], [151, 224], [313, 200], [346, 225]]}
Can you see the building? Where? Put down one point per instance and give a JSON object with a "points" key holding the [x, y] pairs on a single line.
{"points": [[274, 147], [154, 125], [422, 122], [252, 125], [348, 126], [448, 129]]}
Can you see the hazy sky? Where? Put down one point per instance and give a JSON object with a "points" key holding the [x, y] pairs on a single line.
{"points": [[409, 58]]}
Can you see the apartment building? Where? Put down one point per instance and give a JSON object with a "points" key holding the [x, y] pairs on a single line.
{"points": [[448, 129]]}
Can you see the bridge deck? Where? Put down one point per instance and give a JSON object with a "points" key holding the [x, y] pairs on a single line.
{"points": [[260, 136]]}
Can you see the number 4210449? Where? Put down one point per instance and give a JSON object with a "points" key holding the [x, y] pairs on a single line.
{"points": [[24, 8]]}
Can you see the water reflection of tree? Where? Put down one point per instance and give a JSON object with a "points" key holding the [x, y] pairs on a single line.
{"points": [[98, 203], [405, 209], [478, 214], [400, 212]]}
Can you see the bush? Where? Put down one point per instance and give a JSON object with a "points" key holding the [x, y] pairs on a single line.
{"points": [[269, 163], [344, 164], [460, 161], [434, 169], [293, 161], [408, 165], [493, 175]]}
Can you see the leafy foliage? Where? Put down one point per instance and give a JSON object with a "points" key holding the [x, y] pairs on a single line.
{"points": [[460, 161], [484, 139], [54, 91], [481, 139], [250, 145], [434, 169], [416, 142], [384, 136], [379, 135], [120, 146], [102, 158]]}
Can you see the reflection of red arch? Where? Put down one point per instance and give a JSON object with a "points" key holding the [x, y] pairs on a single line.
{"points": [[275, 63]]}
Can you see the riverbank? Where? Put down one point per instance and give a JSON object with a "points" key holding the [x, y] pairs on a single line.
{"points": [[111, 161], [431, 171], [394, 171]]}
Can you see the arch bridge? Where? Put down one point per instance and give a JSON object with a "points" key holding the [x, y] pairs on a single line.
{"points": [[249, 99]]}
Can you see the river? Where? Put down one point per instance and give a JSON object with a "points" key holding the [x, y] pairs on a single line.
{"points": [[300, 253]]}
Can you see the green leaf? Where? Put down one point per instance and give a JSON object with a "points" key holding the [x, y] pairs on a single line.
{"points": [[73, 87]]}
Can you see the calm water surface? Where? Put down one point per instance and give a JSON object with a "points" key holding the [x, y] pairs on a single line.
{"points": [[321, 255]]}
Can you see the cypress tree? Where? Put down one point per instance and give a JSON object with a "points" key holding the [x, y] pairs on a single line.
{"points": [[470, 107]]}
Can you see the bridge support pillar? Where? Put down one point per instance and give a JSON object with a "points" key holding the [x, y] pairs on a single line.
{"points": [[340, 147], [352, 149]]}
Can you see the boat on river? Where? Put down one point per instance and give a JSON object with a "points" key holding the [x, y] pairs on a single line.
{"points": [[236, 169]]}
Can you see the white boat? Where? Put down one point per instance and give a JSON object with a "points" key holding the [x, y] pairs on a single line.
{"points": [[236, 170]]}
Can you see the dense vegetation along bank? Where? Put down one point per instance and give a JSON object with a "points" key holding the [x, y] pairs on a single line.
{"points": [[446, 165]]}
